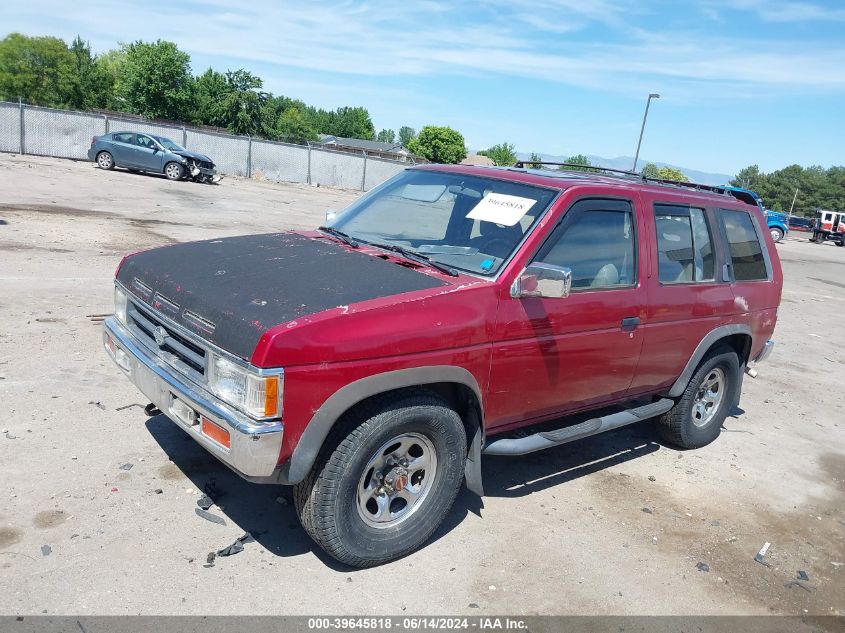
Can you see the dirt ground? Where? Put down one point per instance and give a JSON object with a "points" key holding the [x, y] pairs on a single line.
{"points": [[97, 501]]}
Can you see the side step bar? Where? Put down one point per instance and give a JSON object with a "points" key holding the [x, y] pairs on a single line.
{"points": [[547, 439]]}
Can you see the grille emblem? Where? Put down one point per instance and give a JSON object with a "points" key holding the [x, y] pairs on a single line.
{"points": [[160, 335]]}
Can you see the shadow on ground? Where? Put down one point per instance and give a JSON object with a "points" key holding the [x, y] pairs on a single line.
{"points": [[255, 509]]}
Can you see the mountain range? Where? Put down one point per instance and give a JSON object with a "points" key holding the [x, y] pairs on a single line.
{"points": [[625, 162]]}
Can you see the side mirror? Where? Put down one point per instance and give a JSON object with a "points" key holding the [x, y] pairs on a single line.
{"points": [[543, 280]]}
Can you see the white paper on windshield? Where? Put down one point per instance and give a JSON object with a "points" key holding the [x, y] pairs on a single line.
{"points": [[501, 209]]}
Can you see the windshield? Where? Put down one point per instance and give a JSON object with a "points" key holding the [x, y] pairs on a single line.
{"points": [[466, 222], [168, 144]]}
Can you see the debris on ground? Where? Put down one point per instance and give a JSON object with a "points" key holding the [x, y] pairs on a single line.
{"points": [[114, 489], [158, 491], [209, 560], [210, 517], [97, 404], [702, 567], [802, 575], [647, 510], [210, 488], [126, 466], [129, 406], [230, 550], [46, 550], [473, 605], [205, 502], [798, 583], [652, 478], [151, 410], [761, 555]]}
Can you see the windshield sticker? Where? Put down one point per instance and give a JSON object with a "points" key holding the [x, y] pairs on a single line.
{"points": [[487, 264], [501, 209]]}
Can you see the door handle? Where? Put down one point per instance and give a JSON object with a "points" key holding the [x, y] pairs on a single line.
{"points": [[630, 322]]}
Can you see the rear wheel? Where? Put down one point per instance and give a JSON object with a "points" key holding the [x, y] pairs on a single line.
{"points": [[697, 417], [385, 480], [777, 234], [174, 171], [105, 160]]}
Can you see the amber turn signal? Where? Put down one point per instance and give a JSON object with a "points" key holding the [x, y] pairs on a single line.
{"points": [[215, 432]]}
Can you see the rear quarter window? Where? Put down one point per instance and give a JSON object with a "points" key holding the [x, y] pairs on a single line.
{"points": [[746, 250]]}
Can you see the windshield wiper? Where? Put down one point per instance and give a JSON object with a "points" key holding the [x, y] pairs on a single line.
{"points": [[343, 237], [417, 257]]}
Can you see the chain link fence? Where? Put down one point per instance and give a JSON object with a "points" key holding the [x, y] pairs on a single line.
{"points": [[26, 129]]}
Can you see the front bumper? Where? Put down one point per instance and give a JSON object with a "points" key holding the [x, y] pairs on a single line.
{"points": [[768, 348], [254, 446]]}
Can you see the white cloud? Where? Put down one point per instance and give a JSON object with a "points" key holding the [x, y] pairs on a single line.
{"points": [[547, 40]]}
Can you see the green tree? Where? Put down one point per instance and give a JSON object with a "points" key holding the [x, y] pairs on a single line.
{"points": [[110, 67], [39, 70], [209, 91], [155, 80], [439, 145], [580, 160], [664, 173], [535, 161], [354, 123], [242, 102], [294, 128], [406, 135], [91, 86], [502, 154], [386, 136]]}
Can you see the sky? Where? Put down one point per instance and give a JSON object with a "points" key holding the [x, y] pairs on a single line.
{"points": [[740, 81]]}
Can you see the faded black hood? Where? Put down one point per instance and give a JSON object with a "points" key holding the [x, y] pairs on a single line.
{"points": [[234, 289]]}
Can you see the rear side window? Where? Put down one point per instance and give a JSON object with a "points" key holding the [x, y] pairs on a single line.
{"points": [[746, 251], [124, 137], [684, 245]]}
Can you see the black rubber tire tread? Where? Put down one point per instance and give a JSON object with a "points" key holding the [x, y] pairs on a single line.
{"points": [[314, 497], [676, 427]]}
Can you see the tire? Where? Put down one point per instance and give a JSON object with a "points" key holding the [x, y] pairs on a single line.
{"points": [[105, 160], [841, 242], [336, 502], [683, 425], [777, 234], [174, 171]]}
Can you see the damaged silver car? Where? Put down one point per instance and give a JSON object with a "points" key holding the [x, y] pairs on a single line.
{"points": [[150, 153]]}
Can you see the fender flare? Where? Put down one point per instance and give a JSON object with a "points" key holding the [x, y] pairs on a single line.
{"points": [[324, 419], [723, 331]]}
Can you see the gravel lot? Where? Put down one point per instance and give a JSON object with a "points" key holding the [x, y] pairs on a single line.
{"points": [[97, 505]]}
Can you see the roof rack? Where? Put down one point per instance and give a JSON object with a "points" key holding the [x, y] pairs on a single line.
{"points": [[521, 165], [739, 195]]}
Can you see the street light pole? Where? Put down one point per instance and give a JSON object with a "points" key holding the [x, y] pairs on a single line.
{"points": [[653, 95]]}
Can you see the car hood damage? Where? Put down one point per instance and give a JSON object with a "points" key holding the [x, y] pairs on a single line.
{"points": [[194, 156], [230, 291]]}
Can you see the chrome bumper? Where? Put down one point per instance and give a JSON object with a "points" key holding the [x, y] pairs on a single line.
{"points": [[254, 446], [768, 347]]}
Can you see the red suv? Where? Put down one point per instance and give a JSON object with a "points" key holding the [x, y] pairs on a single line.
{"points": [[373, 362]]}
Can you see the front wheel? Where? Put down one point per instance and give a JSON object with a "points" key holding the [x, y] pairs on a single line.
{"points": [[174, 171], [777, 234], [697, 417], [381, 486]]}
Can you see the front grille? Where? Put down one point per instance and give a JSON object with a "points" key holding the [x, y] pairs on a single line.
{"points": [[206, 165], [179, 350]]}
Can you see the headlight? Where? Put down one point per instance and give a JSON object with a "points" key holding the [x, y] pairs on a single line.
{"points": [[257, 396], [120, 305]]}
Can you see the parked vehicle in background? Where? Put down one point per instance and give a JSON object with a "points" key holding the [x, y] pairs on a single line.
{"points": [[150, 153], [830, 225], [776, 221], [798, 223], [453, 312]]}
